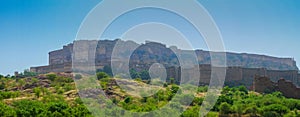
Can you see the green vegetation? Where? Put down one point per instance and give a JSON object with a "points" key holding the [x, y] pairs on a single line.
{"points": [[56, 96], [101, 75], [31, 97]]}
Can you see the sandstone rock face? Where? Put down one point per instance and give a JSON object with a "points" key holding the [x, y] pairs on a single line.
{"points": [[288, 89], [242, 67]]}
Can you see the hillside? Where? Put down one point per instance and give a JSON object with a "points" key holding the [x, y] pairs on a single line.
{"points": [[56, 95]]}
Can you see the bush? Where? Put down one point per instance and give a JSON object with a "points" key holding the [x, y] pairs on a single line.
{"points": [[60, 91], [243, 89], [57, 107], [51, 76], [191, 112], [28, 108], [7, 94], [101, 75], [77, 76], [275, 109], [37, 92], [212, 114], [68, 87], [2, 86], [252, 110], [225, 108], [202, 89], [27, 73], [165, 85], [127, 100], [175, 88], [6, 111], [198, 101]]}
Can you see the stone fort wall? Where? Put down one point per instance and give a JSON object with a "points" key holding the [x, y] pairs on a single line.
{"points": [[61, 61], [239, 76]]}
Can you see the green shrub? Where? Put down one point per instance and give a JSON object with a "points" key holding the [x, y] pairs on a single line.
{"points": [[51, 76], [101, 75], [202, 89], [6, 111], [225, 108]]}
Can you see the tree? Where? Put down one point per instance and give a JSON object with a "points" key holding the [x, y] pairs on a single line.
{"points": [[225, 90], [27, 73], [198, 101], [28, 108], [277, 94], [2, 85], [202, 89], [44, 90], [21, 84], [275, 109], [225, 108], [101, 75], [6, 111], [238, 109], [145, 75], [80, 111], [37, 92], [224, 98], [252, 110], [127, 100], [243, 89], [57, 107], [7, 76], [175, 88], [67, 87], [191, 112], [292, 104], [172, 80], [134, 74]]}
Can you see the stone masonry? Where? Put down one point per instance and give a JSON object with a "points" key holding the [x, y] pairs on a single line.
{"points": [[242, 68]]}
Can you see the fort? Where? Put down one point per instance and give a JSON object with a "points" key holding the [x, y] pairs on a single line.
{"points": [[242, 68]]}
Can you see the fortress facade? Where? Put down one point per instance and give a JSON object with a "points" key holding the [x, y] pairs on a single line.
{"points": [[242, 68]]}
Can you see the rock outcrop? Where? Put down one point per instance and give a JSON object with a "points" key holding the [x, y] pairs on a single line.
{"points": [[286, 87]]}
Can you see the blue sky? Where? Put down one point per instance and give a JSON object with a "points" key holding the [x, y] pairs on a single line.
{"points": [[29, 29]]}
